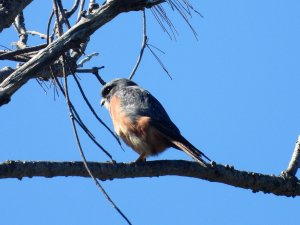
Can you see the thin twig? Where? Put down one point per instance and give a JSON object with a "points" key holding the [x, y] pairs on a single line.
{"points": [[17, 58], [93, 110], [41, 85], [58, 28], [80, 10], [95, 71], [6, 55], [183, 6], [48, 27], [72, 118], [144, 42], [82, 153], [93, 139], [19, 24], [156, 48], [73, 9], [58, 24], [159, 61], [33, 33], [163, 14], [63, 14], [86, 59], [97, 75], [89, 70], [190, 7], [55, 9], [160, 22], [79, 120], [55, 88], [182, 13]]}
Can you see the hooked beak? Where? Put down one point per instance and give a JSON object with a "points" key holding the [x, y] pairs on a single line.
{"points": [[102, 102]]}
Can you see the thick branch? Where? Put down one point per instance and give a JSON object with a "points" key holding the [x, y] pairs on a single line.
{"points": [[9, 9], [71, 39], [4, 55], [108, 171], [45, 73]]}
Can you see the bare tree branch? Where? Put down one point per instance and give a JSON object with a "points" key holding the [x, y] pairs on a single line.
{"points": [[86, 59], [9, 9], [80, 10], [107, 171], [144, 42], [295, 160], [45, 73], [4, 55], [73, 9], [33, 33], [24, 57], [63, 14], [71, 39], [19, 24]]}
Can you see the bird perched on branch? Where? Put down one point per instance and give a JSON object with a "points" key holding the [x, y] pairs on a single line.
{"points": [[142, 122]]}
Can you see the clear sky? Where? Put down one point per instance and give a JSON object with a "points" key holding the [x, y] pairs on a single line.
{"points": [[234, 94]]}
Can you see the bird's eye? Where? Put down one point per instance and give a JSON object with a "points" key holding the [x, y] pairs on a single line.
{"points": [[106, 91]]}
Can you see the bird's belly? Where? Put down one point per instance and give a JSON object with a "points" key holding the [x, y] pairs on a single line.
{"points": [[139, 145], [139, 134], [148, 143]]}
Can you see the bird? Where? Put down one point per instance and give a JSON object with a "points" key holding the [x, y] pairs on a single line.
{"points": [[142, 122]]}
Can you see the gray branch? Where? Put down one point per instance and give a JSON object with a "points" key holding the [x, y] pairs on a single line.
{"points": [[9, 9], [45, 73], [277, 185], [71, 39], [21, 29]]}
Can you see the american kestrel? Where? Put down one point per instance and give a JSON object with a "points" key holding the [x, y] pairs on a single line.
{"points": [[142, 122]]}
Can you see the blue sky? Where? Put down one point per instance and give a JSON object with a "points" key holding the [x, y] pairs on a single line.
{"points": [[234, 94]]}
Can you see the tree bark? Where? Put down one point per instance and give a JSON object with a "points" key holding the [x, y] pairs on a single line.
{"points": [[9, 9], [277, 185]]}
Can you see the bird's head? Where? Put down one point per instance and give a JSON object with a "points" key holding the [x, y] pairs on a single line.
{"points": [[110, 88]]}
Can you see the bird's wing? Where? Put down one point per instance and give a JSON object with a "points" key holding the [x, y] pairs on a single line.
{"points": [[138, 102]]}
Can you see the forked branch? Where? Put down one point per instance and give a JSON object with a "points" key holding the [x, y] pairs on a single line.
{"points": [[71, 39]]}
